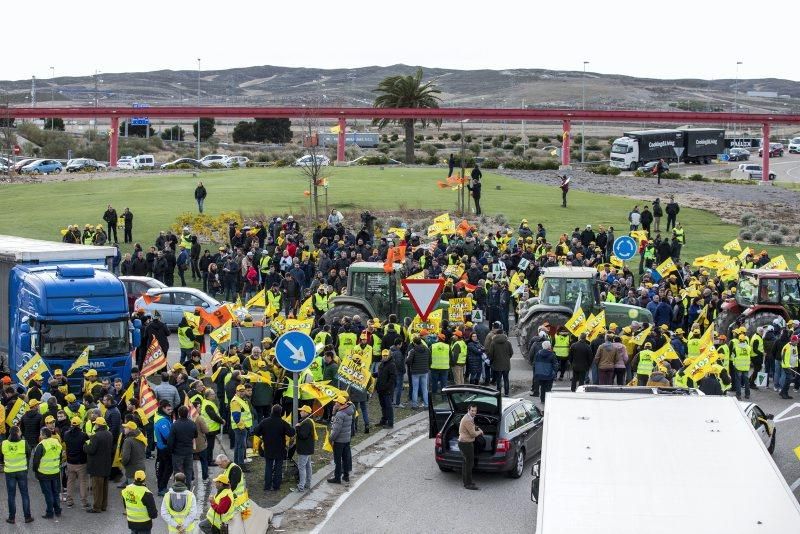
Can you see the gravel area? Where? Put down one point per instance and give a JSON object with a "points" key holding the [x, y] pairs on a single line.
{"points": [[728, 201]]}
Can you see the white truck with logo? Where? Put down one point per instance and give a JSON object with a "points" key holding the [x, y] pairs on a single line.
{"points": [[689, 145]]}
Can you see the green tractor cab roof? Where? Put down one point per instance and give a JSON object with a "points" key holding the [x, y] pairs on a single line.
{"points": [[570, 272], [372, 267]]}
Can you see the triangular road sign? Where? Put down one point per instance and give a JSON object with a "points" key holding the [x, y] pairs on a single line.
{"points": [[423, 294]]}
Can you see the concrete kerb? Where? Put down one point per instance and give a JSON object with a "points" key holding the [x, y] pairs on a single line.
{"points": [[320, 476]]}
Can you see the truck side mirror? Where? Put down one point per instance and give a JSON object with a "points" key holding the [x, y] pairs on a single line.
{"points": [[535, 482], [137, 333], [25, 337]]}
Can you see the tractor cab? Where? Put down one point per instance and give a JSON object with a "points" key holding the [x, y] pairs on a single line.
{"points": [[564, 288], [769, 288]]}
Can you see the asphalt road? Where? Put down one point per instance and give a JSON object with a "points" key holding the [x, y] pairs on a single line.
{"points": [[786, 168]]}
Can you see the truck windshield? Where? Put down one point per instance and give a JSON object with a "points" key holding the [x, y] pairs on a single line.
{"points": [[618, 148], [69, 340]]}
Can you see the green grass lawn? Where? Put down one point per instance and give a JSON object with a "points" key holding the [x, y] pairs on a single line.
{"points": [[41, 210]]}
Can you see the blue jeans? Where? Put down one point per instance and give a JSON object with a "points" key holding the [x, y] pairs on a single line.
{"points": [[739, 378], [362, 407], [14, 481], [398, 389], [438, 379], [419, 382], [778, 382], [273, 473], [200, 202], [239, 446], [51, 489]]}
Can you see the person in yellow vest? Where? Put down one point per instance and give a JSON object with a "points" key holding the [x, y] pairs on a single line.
{"points": [[363, 350], [789, 360], [643, 363], [91, 385], [305, 398], [220, 509], [756, 355], [242, 422], [561, 348], [16, 473], [185, 339], [179, 508], [319, 301], [440, 363], [236, 480], [140, 506], [693, 343], [458, 357], [724, 362], [323, 337], [316, 367], [274, 298], [346, 343], [46, 465], [210, 413], [741, 366]]}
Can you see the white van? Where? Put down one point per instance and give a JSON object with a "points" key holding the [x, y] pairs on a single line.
{"points": [[794, 145], [144, 161]]}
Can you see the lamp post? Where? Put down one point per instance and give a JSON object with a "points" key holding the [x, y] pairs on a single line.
{"points": [[198, 103], [583, 107], [52, 95], [736, 93]]}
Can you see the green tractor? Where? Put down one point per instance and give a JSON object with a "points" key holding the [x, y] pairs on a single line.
{"points": [[561, 287], [373, 293]]}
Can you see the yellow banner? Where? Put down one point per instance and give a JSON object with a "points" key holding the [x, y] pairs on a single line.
{"points": [[458, 310], [454, 271], [433, 324], [639, 235], [616, 262], [396, 231], [778, 263], [321, 391], [258, 300], [354, 376], [732, 245], [666, 267], [577, 323], [743, 254], [35, 365], [595, 325], [302, 325], [306, 309], [222, 334], [639, 338], [15, 413], [443, 218], [702, 366], [192, 319]]}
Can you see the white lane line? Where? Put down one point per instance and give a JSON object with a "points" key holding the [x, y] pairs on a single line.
{"points": [[795, 485], [344, 496], [780, 417]]}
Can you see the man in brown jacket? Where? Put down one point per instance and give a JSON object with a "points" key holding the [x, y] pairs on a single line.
{"points": [[605, 358], [467, 432]]}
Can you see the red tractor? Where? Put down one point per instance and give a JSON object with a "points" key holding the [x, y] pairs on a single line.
{"points": [[761, 297]]}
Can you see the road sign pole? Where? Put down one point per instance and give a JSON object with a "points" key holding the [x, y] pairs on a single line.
{"points": [[295, 399]]}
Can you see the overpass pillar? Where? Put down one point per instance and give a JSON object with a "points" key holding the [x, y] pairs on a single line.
{"points": [[340, 144], [765, 153], [113, 143], [565, 140]]}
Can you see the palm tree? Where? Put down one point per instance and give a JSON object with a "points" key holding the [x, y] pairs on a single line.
{"points": [[407, 92]]}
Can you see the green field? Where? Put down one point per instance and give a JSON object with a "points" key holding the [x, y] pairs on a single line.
{"points": [[41, 210]]}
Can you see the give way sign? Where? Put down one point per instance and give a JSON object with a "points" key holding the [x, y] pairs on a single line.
{"points": [[423, 294]]}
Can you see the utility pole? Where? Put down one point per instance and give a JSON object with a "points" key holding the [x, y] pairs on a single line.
{"points": [[736, 93], [52, 95], [583, 107], [33, 91], [198, 103]]}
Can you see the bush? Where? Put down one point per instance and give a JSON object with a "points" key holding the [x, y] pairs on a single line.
{"points": [[775, 238], [496, 142], [419, 138], [518, 150], [455, 137], [639, 173], [428, 137], [394, 137], [532, 139], [519, 164], [696, 177], [604, 170], [671, 176], [508, 146], [759, 235], [374, 159], [430, 160], [487, 139], [514, 139], [545, 139], [746, 233], [501, 219], [594, 157], [281, 162], [748, 219], [475, 148], [440, 146], [490, 164], [384, 148], [785, 230], [430, 150], [467, 138]]}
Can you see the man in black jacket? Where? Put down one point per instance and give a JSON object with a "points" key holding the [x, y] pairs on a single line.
{"points": [[386, 380], [475, 188], [305, 448], [158, 329], [200, 195], [581, 357], [110, 217], [99, 458], [181, 443], [672, 210], [273, 432], [74, 438]]}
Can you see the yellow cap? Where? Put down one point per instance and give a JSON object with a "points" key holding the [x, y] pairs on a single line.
{"points": [[33, 403], [76, 421], [130, 425], [58, 372], [239, 388], [305, 409], [139, 476], [742, 337], [91, 372], [341, 399], [648, 345], [178, 366], [69, 397], [222, 479], [384, 352], [49, 419], [100, 421]]}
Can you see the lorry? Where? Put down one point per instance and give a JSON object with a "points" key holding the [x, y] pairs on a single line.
{"points": [[688, 145], [57, 299], [634, 462]]}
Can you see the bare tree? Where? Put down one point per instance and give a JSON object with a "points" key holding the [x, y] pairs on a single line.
{"points": [[313, 167]]}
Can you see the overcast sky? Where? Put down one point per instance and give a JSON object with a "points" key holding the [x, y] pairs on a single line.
{"points": [[668, 39]]}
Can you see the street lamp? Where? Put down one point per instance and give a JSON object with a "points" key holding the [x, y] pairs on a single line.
{"points": [[736, 93], [52, 94], [583, 107], [198, 104]]}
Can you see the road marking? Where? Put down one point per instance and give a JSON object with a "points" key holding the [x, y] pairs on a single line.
{"points": [[780, 417], [344, 496], [795, 485]]}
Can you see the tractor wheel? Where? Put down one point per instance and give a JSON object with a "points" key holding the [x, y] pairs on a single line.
{"points": [[759, 319], [724, 322], [346, 310], [528, 329]]}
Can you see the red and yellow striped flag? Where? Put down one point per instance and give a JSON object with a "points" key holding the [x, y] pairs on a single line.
{"points": [[148, 403]]}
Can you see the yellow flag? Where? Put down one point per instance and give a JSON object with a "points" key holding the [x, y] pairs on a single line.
{"points": [[322, 391], [702, 366], [303, 325], [192, 319], [639, 338], [279, 324], [433, 324], [743, 254], [306, 309], [707, 339], [666, 267], [36, 365], [80, 361], [577, 323], [639, 235], [328, 446], [223, 333], [270, 311], [732, 245], [396, 231], [595, 327], [258, 300], [778, 263], [616, 262], [443, 218], [15, 413], [128, 395], [416, 276]]}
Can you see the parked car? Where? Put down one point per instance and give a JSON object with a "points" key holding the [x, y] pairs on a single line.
{"points": [[753, 171], [136, 286], [763, 424], [775, 150], [234, 161], [308, 160], [144, 161], [794, 145], [211, 159], [17, 167], [171, 302], [125, 162], [648, 167], [43, 166], [738, 154], [181, 161], [80, 164], [512, 429]]}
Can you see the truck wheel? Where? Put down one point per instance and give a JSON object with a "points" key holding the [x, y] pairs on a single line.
{"points": [[759, 319], [724, 322], [528, 329], [633, 166], [346, 310]]}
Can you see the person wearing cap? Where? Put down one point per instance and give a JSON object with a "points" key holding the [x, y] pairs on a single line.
{"points": [[133, 451], [179, 508], [46, 465], [140, 506], [340, 435], [643, 363], [99, 459], [305, 440], [458, 356], [15, 453], [91, 385], [241, 422], [74, 439], [789, 363], [741, 366], [220, 509], [756, 355], [31, 423], [35, 387], [385, 383], [440, 363]]}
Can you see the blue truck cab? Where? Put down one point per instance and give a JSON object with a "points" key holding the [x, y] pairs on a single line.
{"points": [[56, 300]]}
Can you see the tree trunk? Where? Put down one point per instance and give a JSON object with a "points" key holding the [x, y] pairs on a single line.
{"points": [[409, 127]]}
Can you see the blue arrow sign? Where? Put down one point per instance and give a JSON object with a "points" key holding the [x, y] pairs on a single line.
{"points": [[625, 247], [295, 351]]}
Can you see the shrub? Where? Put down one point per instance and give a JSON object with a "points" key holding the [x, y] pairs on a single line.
{"points": [[440, 146], [281, 162], [444, 135], [759, 235], [501, 219], [428, 137], [775, 238], [487, 139], [785, 230], [696, 177], [594, 157], [532, 139], [419, 138], [518, 150], [374, 159], [384, 148], [545, 139], [431, 160], [430, 150], [639, 173], [746, 233], [748, 218], [496, 142], [455, 137], [514, 139], [671, 176], [468, 138], [394, 137], [475, 148], [490, 164]]}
